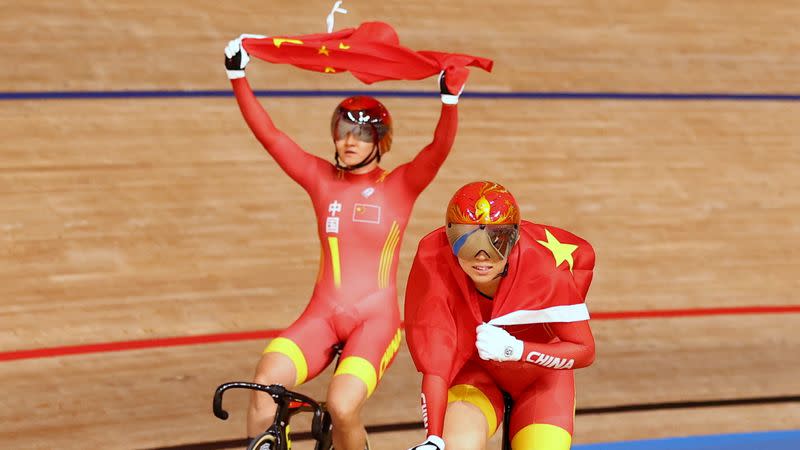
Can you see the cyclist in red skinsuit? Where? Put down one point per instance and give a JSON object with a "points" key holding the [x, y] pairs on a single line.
{"points": [[362, 212], [493, 305]]}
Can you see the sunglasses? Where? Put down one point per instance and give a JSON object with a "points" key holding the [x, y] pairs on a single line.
{"points": [[467, 240]]}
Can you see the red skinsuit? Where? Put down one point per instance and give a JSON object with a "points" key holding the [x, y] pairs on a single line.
{"points": [[360, 222], [443, 308]]}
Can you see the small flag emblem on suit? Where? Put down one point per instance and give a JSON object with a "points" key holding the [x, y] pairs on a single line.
{"points": [[366, 213]]}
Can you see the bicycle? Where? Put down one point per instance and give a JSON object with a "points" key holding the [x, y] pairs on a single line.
{"points": [[289, 404]]}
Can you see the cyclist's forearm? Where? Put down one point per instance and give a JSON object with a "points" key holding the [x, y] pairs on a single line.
{"points": [[434, 403], [443, 138], [254, 114], [561, 355], [426, 164], [293, 160]]}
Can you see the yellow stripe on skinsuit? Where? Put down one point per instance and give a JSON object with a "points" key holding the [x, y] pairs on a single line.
{"points": [[289, 348], [382, 264], [390, 256], [471, 394], [541, 435], [361, 369], [333, 243], [386, 267], [387, 255]]}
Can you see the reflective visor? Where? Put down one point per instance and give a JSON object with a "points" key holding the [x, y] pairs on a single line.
{"points": [[363, 132], [467, 240]]}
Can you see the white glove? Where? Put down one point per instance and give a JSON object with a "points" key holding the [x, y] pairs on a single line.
{"points": [[496, 344], [236, 57], [432, 443], [447, 96]]}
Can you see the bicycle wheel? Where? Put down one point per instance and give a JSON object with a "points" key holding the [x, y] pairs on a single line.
{"points": [[264, 441]]}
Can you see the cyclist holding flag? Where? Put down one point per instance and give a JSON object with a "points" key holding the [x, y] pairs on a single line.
{"points": [[362, 211], [495, 304]]}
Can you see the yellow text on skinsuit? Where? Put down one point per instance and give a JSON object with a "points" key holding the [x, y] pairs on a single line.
{"points": [[390, 352]]}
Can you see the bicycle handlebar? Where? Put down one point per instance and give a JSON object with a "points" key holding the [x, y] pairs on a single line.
{"points": [[277, 391]]}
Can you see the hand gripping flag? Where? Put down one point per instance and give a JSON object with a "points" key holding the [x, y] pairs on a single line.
{"points": [[371, 52]]}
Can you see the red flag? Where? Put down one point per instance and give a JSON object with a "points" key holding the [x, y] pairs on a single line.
{"points": [[547, 281], [366, 213], [371, 52]]}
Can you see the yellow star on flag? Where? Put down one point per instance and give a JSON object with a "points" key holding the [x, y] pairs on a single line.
{"points": [[561, 252], [280, 41], [324, 51], [330, 70]]}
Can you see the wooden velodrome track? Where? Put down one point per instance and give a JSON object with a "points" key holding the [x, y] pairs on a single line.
{"points": [[142, 218]]}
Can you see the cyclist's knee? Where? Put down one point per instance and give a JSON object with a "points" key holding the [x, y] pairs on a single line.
{"points": [[346, 397], [261, 403], [344, 411], [284, 362], [465, 426], [275, 368]]}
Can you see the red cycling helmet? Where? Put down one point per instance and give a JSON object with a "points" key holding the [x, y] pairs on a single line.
{"points": [[367, 120], [482, 216]]}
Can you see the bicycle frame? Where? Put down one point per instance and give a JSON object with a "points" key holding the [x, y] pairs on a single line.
{"points": [[507, 404]]}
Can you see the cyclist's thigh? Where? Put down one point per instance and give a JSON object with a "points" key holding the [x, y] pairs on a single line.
{"points": [[465, 427], [544, 413], [276, 368], [308, 343], [371, 347], [474, 388]]}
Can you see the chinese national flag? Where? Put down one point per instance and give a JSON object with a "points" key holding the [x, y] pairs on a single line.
{"points": [[366, 213], [371, 52], [441, 318]]}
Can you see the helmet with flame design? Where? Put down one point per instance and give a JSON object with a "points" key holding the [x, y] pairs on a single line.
{"points": [[482, 216]]}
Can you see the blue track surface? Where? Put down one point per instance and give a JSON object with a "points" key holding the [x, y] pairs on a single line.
{"points": [[770, 440]]}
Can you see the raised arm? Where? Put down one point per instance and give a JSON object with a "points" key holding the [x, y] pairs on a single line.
{"points": [[298, 164], [423, 168]]}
